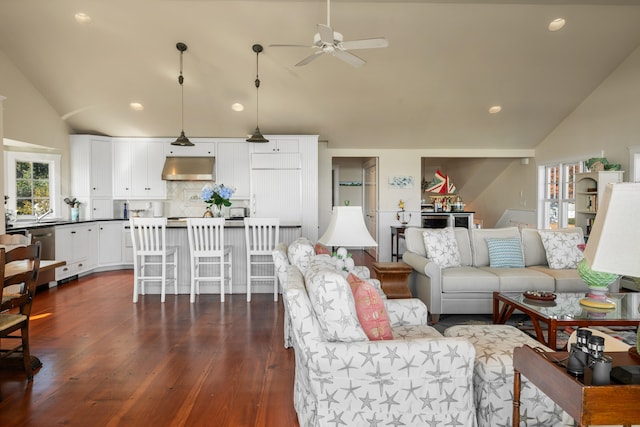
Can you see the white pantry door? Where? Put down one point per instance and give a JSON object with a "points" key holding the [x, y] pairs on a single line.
{"points": [[371, 202]]}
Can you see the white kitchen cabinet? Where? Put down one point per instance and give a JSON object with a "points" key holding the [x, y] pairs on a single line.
{"points": [[201, 148], [277, 145], [100, 209], [91, 169], [110, 243], [91, 175], [137, 169], [92, 242], [277, 193], [232, 167], [73, 246]]}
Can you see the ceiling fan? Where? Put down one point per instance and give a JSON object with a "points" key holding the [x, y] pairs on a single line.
{"points": [[326, 40]]}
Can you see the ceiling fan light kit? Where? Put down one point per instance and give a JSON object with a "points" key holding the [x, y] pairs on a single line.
{"points": [[182, 140], [257, 135]]}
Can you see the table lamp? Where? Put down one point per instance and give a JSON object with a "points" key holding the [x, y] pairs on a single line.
{"points": [[347, 229], [613, 248]]}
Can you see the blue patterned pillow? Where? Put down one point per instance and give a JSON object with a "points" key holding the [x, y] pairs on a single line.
{"points": [[505, 253]]}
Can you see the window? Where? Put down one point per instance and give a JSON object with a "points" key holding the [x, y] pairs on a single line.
{"points": [[32, 183], [556, 186]]}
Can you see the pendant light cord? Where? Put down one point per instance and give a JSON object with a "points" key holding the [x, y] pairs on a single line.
{"points": [[181, 81], [257, 82]]}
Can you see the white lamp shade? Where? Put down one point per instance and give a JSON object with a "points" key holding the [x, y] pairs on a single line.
{"points": [[614, 242], [347, 229]]}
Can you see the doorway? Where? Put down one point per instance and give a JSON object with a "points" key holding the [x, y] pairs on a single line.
{"points": [[355, 183]]}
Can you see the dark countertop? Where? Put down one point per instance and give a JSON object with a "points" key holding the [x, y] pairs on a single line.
{"points": [[20, 226], [181, 223]]}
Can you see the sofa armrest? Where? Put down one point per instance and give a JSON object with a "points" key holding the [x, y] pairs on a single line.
{"points": [[409, 311], [426, 279]]}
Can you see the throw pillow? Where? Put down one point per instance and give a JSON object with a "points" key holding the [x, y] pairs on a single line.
{"points": [[562, 249], [370, 309], [505, 253], [300, 252], [442, 247], [321, 249], [332, 301]]}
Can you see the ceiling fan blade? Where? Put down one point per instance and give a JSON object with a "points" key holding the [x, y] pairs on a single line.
{"points": [[326, 34], [310, 58], [364, 44], [289, 45], [349, 58]]}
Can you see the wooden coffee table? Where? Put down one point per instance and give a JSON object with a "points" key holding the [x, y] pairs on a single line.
{"points": [[565, 311], [587, 404]]}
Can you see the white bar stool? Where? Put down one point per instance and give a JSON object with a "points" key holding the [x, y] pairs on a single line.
{"points": [[207, 249], [149, 238], [261, 236]]}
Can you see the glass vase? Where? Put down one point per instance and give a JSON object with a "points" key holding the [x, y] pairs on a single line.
{"points": [[213, 211]]}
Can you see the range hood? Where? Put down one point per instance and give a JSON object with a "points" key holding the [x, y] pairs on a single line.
{"points": [[188, 169]]}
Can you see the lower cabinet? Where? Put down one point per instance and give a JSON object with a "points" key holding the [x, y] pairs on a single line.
{"points": [[73, 243], [87, 246], [110, 243]]}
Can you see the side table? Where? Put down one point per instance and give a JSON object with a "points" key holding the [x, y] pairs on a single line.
{"points": [[394, 278], [397, 233], [587, 404]]}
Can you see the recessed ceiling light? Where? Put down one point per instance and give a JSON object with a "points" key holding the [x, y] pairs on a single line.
{"points": [[495, 109], [557, 24], [237, 107], [136, 106], [82, 18]]}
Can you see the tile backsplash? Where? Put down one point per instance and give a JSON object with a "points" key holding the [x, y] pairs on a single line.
{"points": [[183, 200]]}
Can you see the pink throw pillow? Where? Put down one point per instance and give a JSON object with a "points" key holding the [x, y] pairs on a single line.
{"points": [[321, 249], [370, 309]]}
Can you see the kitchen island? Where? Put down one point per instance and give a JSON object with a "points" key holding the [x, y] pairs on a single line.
{"points": [[234, 237]]}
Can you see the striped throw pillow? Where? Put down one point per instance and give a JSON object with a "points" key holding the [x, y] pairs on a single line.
{"points": [[505, 253]]}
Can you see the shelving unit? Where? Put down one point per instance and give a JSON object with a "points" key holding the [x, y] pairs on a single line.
{"points": [[589, 190]]}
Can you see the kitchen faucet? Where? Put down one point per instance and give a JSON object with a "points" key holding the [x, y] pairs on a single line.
{"points": [[39, 217]]}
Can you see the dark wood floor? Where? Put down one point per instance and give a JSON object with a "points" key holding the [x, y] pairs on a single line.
{"points": [[109, 362]]}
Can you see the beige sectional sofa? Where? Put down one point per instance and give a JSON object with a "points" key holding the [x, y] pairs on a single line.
{"points": [[468, 288]]}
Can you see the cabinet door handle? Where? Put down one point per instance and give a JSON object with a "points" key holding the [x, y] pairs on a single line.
{"points": [[73, 232]]}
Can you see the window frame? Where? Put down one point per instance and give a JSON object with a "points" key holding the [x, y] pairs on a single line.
{"points": [[10, 160], [563, 192]]}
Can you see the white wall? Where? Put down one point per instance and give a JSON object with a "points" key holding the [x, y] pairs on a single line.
{"points": [[28, 117], [607, 120]]}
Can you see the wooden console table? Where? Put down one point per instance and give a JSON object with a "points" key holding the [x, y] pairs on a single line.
{"points": [[394, 278], [587, 404]]}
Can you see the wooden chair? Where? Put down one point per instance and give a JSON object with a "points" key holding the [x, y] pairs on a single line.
{"points": [[207, 250], [261, 238], [152, 256], [25, 262]]}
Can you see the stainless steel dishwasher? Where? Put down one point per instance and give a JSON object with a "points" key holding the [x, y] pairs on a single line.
{"points": [[47, 238]]}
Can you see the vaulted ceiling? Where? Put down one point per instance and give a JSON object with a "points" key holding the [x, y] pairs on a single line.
{"points": [[446, 64]]}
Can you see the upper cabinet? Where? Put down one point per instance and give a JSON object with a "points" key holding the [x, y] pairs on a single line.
{"points": [[137, 169], [232, 166], [589, 190], [91, 169], [277, 145], [203, 147]]}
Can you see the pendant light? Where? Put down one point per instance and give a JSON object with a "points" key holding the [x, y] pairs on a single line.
{"points": [[182, 139], [257, 135]]}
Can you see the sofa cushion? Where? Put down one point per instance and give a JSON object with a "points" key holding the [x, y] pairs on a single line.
{"points": [[566, 280], [521, 279], [469, 279], [505, 253], [370, 309], [479, 247], [534, 253], [561, 249], [300, 252], [332, 302], [442, 247]]}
